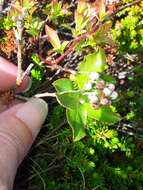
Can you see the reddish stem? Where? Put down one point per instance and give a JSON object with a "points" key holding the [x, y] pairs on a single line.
{"points": [[72, 45]]}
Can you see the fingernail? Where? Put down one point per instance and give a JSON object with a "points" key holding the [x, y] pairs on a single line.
{"points": [[25, 86], [29, 84], [33, 113]]}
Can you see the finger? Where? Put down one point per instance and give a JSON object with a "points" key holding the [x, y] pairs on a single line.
{"points": [[12, 110], [4, 107], [31, 113], [8, 74], [18, 132]]}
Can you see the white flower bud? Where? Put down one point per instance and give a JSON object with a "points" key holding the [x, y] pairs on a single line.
{"points": [[104, 101], [88, 86], [122, 75], [107, 91], [93, 76], [93, 98], [114, 95], [111, 86]]}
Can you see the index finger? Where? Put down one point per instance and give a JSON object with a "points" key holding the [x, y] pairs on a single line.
{"points": [[8, 74]]}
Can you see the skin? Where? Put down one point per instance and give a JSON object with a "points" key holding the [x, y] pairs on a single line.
{"points": [[19, 125]]}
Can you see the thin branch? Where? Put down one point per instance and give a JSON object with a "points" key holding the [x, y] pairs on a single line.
{"points": [[46, 170], [27, 71], [126, 6], [23, 98], [84, 36], [72, 46], [46, 94], [57, 128], [61, 69], [83, 178], [18, 31], [19, 63]]}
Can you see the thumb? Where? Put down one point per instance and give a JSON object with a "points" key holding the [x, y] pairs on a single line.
{"points": [[17, 133]]}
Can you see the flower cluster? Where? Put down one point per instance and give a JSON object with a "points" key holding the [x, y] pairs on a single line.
{"points": [[98, 91], [111, 1]]}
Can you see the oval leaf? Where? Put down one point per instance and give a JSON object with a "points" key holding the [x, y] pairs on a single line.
{"points": [[103, 114], [69, 100], [81, 80], [95, 62], [63, 85], [53, 37], [77, 119]]}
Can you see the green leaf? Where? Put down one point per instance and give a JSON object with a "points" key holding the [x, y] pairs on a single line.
{"points": [[81, 80], [35, 58], [103, 114], [103, 30], [62, 85], [108, 78], [63, 46], [90, 110], [95, 62], [70, 100], [27, 4], [81, 19], [34, 26], [53, 37], [77, 119]]}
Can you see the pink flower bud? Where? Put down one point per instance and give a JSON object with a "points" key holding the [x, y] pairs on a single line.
{"points": [[111, 86], [100, 84], [104, 101]]}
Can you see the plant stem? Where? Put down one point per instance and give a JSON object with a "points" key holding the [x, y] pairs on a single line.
{"points": [[18, 31], [19, 62], [84, 36], [27, 71], [60, 68], [23, 98], [126, 6], [46, 94]]}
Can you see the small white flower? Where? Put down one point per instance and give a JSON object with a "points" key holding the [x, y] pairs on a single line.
{"points": [[93, 98], [107, 91], [88, 86], [93, 76], [122, 75], [114, 95], [111, 86]]}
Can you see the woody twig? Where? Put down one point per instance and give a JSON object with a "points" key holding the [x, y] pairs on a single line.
{"points": [[71, 46], [18, 31]]}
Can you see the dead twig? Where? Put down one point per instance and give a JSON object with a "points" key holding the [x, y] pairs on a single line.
{"points": [[18, 31]]}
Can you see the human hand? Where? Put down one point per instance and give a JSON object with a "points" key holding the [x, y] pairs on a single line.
{"points": [[19, 126]]}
